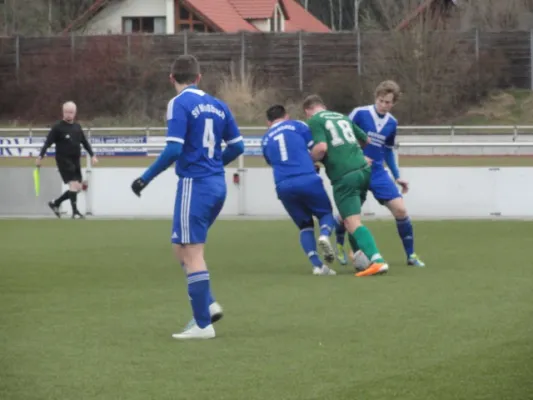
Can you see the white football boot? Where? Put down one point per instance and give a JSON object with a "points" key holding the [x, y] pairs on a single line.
{"points": [[323, 271], [216, 313], [195, 332], [326, 248]]}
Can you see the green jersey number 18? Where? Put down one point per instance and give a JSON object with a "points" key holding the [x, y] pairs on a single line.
{"points": [[345, 128]]}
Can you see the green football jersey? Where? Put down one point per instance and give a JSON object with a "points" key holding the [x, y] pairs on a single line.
{"points": [[342, 136]]}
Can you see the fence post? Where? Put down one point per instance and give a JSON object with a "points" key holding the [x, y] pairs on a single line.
{"points": [[300, 61], [531, 56], [243, 57], [477, 44], [128, 55], [17, 57], [72, 47], [358, 50], [185, 42]]}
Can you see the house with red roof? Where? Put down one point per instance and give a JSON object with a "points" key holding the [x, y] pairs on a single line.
{"points": [[173, 16]]}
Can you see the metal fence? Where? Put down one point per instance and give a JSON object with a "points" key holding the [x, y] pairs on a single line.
{"points": [[513, 132], [296, 59]]}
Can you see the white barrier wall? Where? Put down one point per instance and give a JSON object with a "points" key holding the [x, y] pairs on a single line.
{"points": [[435, 193]]}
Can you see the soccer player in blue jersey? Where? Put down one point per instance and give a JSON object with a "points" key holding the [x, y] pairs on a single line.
{"points": [[286, 148], [381, 126], [197, 125]]}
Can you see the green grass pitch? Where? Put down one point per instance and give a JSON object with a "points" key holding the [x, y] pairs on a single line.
{"points": [[87, 309]]}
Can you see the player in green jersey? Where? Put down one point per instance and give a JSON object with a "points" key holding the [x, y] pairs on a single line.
{"points": [[338, 146]]}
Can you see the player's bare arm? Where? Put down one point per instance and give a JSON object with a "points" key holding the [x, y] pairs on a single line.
{"points": [[319, 151]]}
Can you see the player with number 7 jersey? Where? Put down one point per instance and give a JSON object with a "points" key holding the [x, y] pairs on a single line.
{"points": [[338, 144]]}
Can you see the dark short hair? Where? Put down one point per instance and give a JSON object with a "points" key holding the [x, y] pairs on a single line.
{"points": [[275, 112], [185, 69], [313, 100]]}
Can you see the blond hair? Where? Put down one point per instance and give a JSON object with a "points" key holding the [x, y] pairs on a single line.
{"points": [[388, 87], [313, 100]]}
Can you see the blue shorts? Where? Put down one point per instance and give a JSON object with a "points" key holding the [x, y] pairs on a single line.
{"points": [[382, 186], [304, 197], [198, 203]]}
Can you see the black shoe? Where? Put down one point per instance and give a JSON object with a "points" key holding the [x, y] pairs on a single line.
{"points": [[54, 208], [78, 215]]}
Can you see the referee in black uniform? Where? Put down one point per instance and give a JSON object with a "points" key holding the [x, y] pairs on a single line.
{"points": [[68, 136]]}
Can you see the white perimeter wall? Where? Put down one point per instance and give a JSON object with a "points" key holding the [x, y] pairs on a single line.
{"points": [[109, 20], [435, 193]]}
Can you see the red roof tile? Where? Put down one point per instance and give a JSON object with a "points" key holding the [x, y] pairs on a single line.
{"points": [[299, 19], [221, 14], [254, 9]]}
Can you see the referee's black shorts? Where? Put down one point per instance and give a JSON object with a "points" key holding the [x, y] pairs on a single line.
{"points": [[69, 169]]}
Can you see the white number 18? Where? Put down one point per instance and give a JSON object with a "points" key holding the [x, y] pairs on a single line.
{"points": [[346, 129]]}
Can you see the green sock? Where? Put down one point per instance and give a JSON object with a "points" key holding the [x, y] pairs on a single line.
{"points": [[353, 243], [366, 242]]}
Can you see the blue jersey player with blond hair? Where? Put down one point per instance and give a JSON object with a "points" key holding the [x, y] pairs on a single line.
{"points": [[197, 125], [381, 126], [300, 189]]}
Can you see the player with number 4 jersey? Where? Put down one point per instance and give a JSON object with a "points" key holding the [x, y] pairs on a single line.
{"points": [[198, 124], [338, 145], [300, 189]]}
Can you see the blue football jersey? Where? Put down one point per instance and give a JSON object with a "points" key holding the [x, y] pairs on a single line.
{"points": [[286, 148], [200, 122], [380, 128]]}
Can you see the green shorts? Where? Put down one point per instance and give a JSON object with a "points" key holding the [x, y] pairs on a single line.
{"points": [[349, 192]]}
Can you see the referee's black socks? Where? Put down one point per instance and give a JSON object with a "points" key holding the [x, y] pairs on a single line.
{"points": [[62, 198], [73, 196]]}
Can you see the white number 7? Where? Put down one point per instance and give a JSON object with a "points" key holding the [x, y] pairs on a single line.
{"points": [[209, 138]]}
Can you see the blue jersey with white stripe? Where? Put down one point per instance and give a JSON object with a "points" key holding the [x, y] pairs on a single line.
{"points": [[200, 122], [286, 148], [380, 128]]}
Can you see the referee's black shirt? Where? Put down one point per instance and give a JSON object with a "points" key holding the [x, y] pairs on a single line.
{"points": [[68, 137]]}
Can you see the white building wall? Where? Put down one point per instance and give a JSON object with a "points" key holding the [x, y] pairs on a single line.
{"points": [[109, 20], [262, 24]]}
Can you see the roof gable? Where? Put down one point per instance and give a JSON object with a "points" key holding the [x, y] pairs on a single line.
{"points": [[299, 19], [254, 9], [221, 14]]}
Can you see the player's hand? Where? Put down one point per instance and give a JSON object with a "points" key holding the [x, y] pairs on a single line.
{"points": [[404, 184], [94, 160], [368, 160], [137, 186], [38, 162]]}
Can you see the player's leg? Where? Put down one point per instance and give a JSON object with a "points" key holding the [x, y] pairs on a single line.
{"points": [[303, 219], [349, 195], [66, 175], [386, 193], [318, 202], [340, 233], [75, 188], [196, 202]]}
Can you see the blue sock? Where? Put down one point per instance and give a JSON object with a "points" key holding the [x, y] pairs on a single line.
{"points": [[211, 298], [405, 230], [340, 232], [199, 294], [327, 222], [308, 242]]}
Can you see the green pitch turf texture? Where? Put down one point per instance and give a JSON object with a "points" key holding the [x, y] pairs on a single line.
{"points": [[87, 309], [254, 161]]}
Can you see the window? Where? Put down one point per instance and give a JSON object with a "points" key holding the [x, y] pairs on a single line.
{"points": [[188, 21], [156, 25]]}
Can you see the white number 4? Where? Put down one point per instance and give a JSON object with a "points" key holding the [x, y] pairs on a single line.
{"points": [[209, 138]]}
